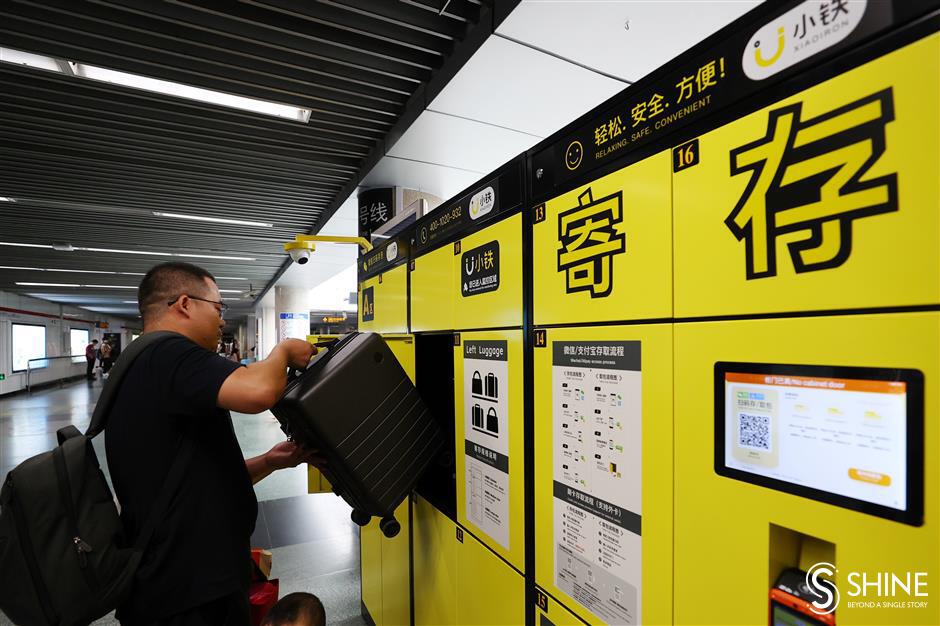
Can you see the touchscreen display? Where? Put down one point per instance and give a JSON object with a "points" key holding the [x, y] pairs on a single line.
{"points": [[837, 431]]}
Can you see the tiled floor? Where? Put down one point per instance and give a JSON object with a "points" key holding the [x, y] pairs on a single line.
{"points": [[314, 543]]}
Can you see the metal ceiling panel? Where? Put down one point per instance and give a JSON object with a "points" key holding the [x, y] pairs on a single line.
{"points": [[89, 162]]}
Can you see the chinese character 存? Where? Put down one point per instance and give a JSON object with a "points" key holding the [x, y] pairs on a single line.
{"points": [[655, 105], [685, 88], [638, 113], [808, 176], [705, 77], [589, 240]]}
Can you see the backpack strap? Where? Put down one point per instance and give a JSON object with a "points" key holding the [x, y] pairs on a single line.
{"points": [[180, 463], [121, 366]]}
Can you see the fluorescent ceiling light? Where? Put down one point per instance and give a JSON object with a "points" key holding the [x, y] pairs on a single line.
{"points": [[219, 220], [56, 269], [229, 278], [125, 251], [145, 83], [29, 59], [5, 199], [141, 252], [229, 291], [74, 285], [189, 92], [128, 301], [24, 245], [209, 256]]}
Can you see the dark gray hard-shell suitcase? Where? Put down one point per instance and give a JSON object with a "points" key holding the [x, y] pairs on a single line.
{"points": [[357, 406]]}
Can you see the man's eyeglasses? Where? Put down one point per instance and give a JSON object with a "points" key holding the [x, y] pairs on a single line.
{"points": [[222, 306]]}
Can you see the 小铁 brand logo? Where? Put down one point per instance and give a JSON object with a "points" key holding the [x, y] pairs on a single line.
{"points": [[803, 31]]}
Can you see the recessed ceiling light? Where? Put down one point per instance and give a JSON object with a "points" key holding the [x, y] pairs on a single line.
{"points": [[6, 199], [219, 220]]}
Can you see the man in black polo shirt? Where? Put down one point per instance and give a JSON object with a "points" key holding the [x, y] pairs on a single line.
{"points": [[196, 567]]}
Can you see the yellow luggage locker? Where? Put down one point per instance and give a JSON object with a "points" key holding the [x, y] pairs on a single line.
{"points": [[823, 435], [603, 471], [824, 201], [435, 566], [383, 287], [603, 251], [385, 563], [443, 295]]}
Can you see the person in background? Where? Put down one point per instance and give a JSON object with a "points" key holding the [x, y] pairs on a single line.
{"points": [[296, 609], [91, 354], [106, 360]]}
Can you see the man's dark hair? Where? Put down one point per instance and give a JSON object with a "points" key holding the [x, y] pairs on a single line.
{"points": [[299, 609], [94, 341], [167, 281]]}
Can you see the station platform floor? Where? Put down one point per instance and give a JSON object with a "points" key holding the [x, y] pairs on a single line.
{"points": [[314, 543]]}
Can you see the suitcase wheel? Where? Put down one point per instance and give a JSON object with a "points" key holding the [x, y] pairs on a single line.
{"points": [[360, 518], [389, 527]]}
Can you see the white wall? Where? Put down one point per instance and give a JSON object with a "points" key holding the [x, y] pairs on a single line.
{"points": [[57, 334]]}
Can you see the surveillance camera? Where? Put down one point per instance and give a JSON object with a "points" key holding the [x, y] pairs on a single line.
{"points": [[300, 256]]}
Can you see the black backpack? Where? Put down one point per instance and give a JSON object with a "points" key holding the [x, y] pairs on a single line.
{"points": [[63, 560]]}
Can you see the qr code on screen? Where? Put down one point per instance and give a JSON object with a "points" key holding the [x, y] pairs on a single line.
{"points": [[754, 431]]}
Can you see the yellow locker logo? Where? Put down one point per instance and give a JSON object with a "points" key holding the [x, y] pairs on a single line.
{"points": [[589, 240], [807, 178]]}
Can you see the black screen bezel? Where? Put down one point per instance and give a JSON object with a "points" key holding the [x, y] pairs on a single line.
{"points": [[914, 513]]}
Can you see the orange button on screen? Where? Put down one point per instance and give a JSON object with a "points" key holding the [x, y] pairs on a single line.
{"points": [[866, 476]]}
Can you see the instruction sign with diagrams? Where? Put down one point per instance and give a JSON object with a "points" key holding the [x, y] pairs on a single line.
{"points": [[486, 434], [597, 475]]}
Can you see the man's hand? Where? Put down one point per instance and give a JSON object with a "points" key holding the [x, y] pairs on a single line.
{"points": [[283, 455], [289, 454], [299, 352]]}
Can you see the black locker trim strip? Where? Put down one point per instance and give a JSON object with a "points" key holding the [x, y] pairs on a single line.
{"points": [[411, 558], [915, 308], [528, 407]]}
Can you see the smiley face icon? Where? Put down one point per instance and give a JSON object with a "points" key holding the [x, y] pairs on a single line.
{"points": [[573, 155]]}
